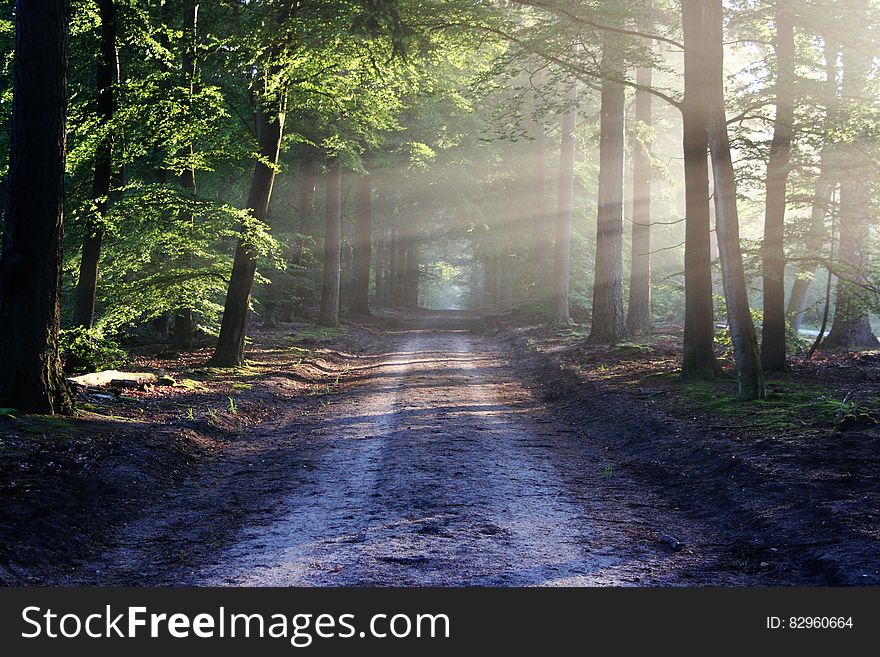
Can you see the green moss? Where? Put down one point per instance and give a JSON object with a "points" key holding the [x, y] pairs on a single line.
{"points": [[316, 334], [789, 405]]}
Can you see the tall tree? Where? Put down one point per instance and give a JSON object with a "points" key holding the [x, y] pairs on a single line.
{"points": [[30, 260], [106, 69], [360, 302], [183, 318], [609, 322], [329, 315], [851, 328], [750, 376], [638, 318], [698, 360], [562, 248], [269, 115], [778, 165], [823, 192]]}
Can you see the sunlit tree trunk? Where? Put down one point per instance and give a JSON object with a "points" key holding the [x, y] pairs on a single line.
{"points": [[230, 343], [851, 328], [31, 379], [608, 321], [562, 249], [698, 360], [750, 376], [541, 225], [329, 315], [823, 193], [773, 250], [638, 318], [362, 245], [87, 283]]}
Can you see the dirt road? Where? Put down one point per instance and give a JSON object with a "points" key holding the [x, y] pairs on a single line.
{"points": [[439, 468], [435, 464]]}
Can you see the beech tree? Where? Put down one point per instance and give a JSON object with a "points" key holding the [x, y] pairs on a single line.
{"points": [[609, 322], [30, 261], [105, 77], [742, 329]]}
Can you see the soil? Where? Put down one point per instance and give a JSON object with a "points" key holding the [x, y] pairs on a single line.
{"points": [[418, 451]]}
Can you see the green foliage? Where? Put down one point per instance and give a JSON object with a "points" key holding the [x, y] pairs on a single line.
{"points": [[88, 350]]}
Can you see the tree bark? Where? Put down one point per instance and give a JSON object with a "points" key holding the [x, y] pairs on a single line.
{"points": [[773, 250], [608, 321], [638, 319], [362, 245], [750, 375], [329, 315], [562, 248], [698, 360], [87, 283], [32, 380], [230, 343], [541, 223], [851, 328]]}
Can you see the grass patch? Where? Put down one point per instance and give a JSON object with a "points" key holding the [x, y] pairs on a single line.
{"points": [[789, 405], [316, 334]]}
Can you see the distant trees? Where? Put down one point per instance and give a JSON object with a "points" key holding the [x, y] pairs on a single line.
{"points": [[638, 316], [562, 251], [30, 260]]}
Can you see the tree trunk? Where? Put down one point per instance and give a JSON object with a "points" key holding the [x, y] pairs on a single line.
{"points": [[562, 249], [698, 360], [742, 330], [411, 270], [541, 226], [332, 247], [362, 246], [30, 261], [851, 328], [773, 251], [230, 343], [609, 322], [638, 319], [87, 284], [183, 318], [823, 193]]}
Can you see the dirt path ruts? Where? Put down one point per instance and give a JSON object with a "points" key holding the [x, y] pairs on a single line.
{"points": [[440, 468]]}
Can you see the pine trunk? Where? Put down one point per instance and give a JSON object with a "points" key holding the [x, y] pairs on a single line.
{"points": [[32, 380]]}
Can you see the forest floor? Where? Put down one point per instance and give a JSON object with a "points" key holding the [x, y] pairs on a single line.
{"points": [[448, 450]]}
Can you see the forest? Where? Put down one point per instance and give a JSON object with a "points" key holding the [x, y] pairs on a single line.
{"points": [[513, 292]]}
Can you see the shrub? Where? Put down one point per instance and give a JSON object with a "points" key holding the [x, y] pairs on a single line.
{"points": [[87, 350]]}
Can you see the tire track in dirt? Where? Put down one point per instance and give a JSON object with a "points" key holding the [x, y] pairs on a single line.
{"points": [[440, 468]]}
